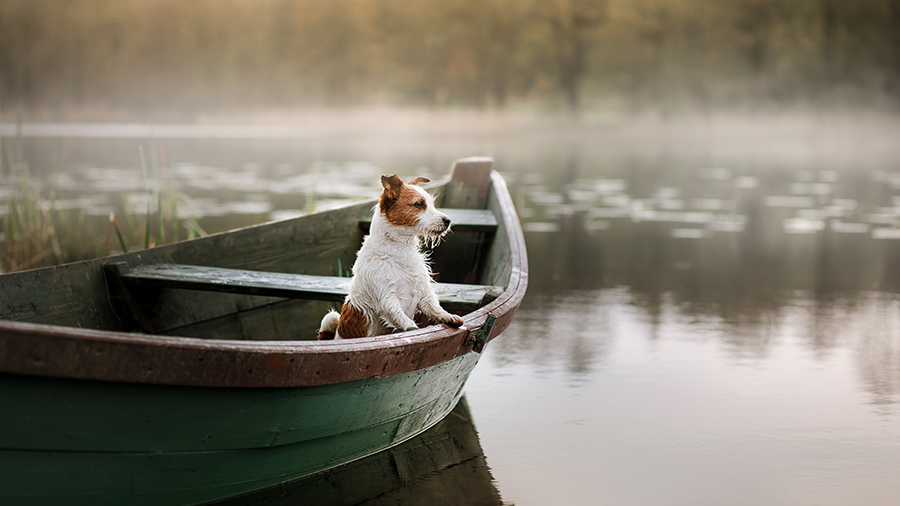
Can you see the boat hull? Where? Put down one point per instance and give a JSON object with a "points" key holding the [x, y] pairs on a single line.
{"points": [[93, 442]]}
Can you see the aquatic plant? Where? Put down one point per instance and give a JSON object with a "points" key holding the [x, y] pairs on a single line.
{"points": [[37, 231]]}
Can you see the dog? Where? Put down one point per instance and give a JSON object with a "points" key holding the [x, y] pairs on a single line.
{"points": [[391, 276]]}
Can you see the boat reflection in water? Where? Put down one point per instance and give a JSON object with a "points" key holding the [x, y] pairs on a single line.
{"points": [[442, 466]]}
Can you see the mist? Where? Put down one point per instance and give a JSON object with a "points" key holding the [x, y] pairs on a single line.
{"points": [[167, 60]]}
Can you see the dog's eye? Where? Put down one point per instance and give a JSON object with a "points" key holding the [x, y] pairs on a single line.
{"points": [[420, 204]]}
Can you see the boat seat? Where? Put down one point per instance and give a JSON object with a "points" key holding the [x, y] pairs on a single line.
{"points": [[462, 220], [453, 296]]}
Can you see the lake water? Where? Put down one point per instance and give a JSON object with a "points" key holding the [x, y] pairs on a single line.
{"points": [[711, 319]]}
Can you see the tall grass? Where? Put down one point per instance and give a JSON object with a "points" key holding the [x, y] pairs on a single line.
{"points": [[36, 232], [30, 234]]}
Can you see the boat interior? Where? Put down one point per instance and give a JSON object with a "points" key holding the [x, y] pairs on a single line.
{"points": [[267, 282]]}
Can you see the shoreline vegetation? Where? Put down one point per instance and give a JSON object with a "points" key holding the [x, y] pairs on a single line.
{"points": [[41, 228], [172, 62], [37, 232]]}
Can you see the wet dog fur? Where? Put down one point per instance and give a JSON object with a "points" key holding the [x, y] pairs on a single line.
{"points": [[392, 277]]}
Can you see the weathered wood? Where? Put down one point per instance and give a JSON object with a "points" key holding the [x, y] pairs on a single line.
{"points": [[280, 320], [454, 297], [469, 187], [461, 220], [240, 281], [470, 180], [77, 295]]}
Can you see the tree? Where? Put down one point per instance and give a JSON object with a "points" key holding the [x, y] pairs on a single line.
{"points": [[573, 24]]}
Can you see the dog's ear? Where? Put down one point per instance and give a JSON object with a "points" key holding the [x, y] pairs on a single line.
{"points": [[392, 185], [418, 180]]}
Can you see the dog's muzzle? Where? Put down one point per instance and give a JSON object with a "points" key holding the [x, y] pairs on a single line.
{"points": [[440, 227]]}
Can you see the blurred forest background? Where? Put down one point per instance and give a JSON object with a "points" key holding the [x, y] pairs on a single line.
{"points": [[110, 59]]}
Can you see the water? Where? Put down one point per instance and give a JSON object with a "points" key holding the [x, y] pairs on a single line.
{"points": [[709, 320], [632, 401]]}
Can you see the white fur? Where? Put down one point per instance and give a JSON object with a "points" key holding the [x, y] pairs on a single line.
{"points": [[391, 276], [330, 322]]}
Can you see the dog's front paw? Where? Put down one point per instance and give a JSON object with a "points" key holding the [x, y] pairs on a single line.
{"points": [[453, 320]]}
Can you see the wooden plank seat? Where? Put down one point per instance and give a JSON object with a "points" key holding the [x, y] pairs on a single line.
{"points": [[453, 296], [461, 220]]}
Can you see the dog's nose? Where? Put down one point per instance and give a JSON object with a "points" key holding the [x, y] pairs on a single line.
{"points": [[446, 222]]}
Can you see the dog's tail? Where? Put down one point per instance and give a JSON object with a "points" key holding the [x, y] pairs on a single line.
{"points": [[328, 328]]}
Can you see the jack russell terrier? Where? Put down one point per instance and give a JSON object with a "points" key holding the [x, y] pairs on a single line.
{"points": [[391, 277]]}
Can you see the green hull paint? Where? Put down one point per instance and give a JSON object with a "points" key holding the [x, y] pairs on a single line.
{"points": [[443, 465], [64, 441]]}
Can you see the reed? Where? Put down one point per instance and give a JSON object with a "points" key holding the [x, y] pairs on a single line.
{"points": [[31, 235], [36, 232]]}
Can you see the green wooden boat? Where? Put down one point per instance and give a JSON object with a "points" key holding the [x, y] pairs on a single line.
{"points": [[190, 372]]}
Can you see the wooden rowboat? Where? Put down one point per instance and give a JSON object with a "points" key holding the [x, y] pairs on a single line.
{"points": [[190, 372]]}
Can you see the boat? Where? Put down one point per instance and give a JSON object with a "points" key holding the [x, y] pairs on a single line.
{"points": [[190, 372]]}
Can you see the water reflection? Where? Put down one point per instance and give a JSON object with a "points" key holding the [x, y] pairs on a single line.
{"points": [[443, 466], [755, 261], [773, 398], [716, 227], [751, 299]]}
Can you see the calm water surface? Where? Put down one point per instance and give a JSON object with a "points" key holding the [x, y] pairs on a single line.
{"points": [[707, 322]]}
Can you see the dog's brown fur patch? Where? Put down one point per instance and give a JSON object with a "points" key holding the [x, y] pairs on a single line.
{"points": [[401, 204], [353, 323]]}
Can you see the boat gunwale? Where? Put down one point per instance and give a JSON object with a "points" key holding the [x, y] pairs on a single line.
{"points": [[268, 363]]}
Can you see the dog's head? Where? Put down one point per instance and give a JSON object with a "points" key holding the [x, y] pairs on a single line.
{"points": [[408, 205]]}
